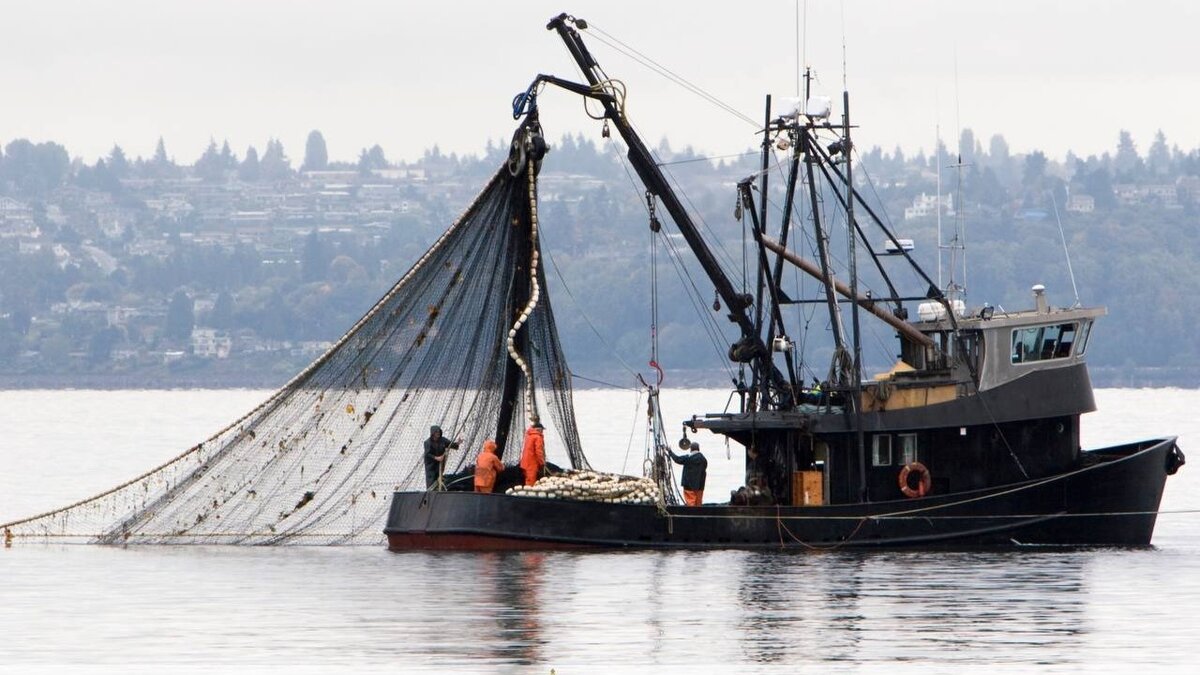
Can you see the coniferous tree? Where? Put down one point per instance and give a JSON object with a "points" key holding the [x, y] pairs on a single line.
{"points": [[210, 167], [1035, 169], [1097, 182], [371, 159], [118, 164], [1158, 158], [228, 159], [162, 166], [181, 317], [222, 313], [1127, 164], [316, 157], [101, 344], [274, 164], [160, 152], [966, 146], [377, 158], [314, 262], [102, 178], [249, 169], [364, 163]]}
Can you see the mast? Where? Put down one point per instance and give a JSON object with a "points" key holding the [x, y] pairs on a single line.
{"points": [[789, 201], [835, 316], [852, 238], [776, 280], [938, 151], [761, 229], [760, 245]]}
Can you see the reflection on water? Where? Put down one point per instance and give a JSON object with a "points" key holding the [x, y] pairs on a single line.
{"points": [[588, 611], [779, 609], [516, 582], [951, 607]]}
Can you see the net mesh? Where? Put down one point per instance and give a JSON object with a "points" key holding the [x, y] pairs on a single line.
{"points": [[316, 463]]}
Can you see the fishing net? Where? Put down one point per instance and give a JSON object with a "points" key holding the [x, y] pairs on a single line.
{"points": [[456, 342]]}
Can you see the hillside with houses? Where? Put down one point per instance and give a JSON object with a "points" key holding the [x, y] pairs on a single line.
{"points": [[238, 269]]}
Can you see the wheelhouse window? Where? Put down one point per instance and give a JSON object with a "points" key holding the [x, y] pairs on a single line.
{"points": [[908, 448], [1084, 332], [1041, 343], [881, 450]]}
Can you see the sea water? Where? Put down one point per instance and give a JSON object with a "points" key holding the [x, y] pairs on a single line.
{"points": [[366, 609]]}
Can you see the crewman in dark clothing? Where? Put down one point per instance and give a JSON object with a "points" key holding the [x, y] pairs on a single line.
{"points": [[435, 455], [695, 470]]}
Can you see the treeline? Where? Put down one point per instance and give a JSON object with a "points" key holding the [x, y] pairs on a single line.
{"points": [[1135, 251]]}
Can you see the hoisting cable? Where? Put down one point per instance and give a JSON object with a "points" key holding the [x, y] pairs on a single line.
{"points": [[665, 72]]}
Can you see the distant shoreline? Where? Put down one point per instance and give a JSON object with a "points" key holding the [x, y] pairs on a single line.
{"points": [[1103, 377]]}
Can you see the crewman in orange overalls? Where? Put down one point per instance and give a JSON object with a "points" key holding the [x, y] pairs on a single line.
{"points": [[533, 455], [486, 467]]}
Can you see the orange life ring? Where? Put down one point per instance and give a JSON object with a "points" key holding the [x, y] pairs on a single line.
{"points": [[924, 480]]}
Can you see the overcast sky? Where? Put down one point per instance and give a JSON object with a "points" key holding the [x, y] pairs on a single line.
{"points": [[1049, 75]]}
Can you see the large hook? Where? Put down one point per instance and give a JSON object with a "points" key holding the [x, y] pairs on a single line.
{"points": [[659, 370]]}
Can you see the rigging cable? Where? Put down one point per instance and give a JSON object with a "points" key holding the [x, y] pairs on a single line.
{"points": [[697, 299], [707, 158], [1063, 235], [610, 385], [726, 261], [665, 72], [558, 273], [708, 323], [718, 245], [637, 407]]}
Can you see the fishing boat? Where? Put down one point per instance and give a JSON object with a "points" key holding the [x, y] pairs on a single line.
{"points": [[971, 439]]}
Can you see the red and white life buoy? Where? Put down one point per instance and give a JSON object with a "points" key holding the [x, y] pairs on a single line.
{"points": [[924, 480]]}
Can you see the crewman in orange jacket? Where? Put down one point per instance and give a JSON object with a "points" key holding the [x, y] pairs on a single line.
{"points": [[533, 455], [486, 467]]}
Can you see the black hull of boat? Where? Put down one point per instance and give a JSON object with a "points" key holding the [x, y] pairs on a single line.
{"points": [[1111, 500]]}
